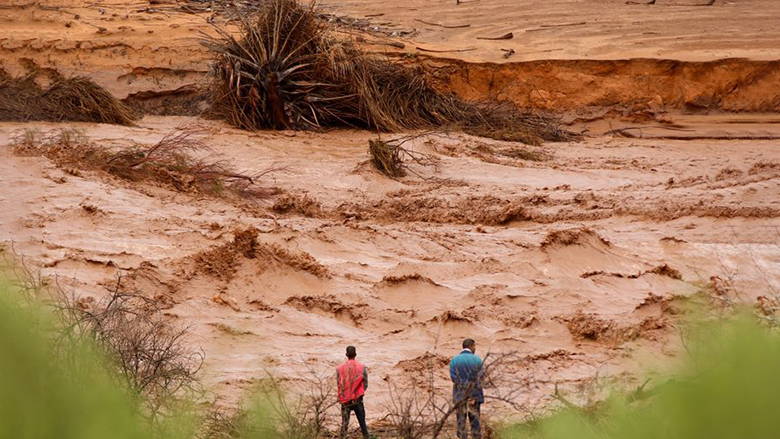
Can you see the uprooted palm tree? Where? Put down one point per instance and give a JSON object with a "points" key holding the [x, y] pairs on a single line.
{"points": [[286, 70]]}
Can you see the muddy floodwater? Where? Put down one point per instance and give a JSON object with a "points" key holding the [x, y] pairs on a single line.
{"points": [[575, 255]]}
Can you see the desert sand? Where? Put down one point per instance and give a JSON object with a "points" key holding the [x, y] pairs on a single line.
{"points": [[575, 259]]}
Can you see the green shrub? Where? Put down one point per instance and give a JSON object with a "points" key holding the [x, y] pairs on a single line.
{"points": [[73, 396], [730, 389]]}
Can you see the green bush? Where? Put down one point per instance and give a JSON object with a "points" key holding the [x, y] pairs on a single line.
{"points": [[729, 389], [46, 395]]}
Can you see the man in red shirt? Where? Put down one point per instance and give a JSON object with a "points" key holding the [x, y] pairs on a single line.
{"points": [[352, 380]]}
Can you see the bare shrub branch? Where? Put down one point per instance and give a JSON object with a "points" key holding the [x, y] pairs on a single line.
{"points": [[28, 281], [149, 354], [172, 162]]}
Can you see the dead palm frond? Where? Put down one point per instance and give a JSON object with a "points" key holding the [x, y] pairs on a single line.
{"points": [[286, 70]]}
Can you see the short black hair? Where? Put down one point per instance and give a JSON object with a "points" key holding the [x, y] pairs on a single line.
{"points": [[351, 352], [468, 343]]}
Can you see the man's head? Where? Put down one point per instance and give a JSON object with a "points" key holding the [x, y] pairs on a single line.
{"points": [[470, 344], [351, 352]]}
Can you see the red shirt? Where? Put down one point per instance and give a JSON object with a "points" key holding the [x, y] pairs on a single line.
{"points": [[350, 381]]}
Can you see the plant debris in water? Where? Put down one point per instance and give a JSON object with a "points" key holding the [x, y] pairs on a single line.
{"points": [[75, 99], [393, 159], [286, 70], [170, 162]]}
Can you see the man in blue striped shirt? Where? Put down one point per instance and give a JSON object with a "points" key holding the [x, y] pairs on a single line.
{"points": [[467, 395]]}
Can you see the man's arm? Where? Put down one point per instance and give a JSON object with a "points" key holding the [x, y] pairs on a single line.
{"points": [[453, 374], [479, 375], [365, 378]]}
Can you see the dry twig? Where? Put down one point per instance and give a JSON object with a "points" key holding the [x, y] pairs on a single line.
{"points": [[506, 36], [456, 26]]}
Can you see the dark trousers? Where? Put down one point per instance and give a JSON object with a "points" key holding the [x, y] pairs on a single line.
{"points": [[360, 413], [468, 409]]}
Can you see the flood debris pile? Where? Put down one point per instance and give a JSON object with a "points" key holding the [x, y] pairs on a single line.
{"points": [[75, 99], [176, 162], [287, 70], [386, 158], [391, 158]]}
